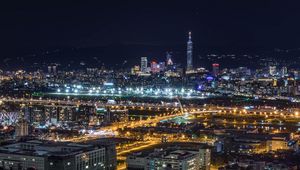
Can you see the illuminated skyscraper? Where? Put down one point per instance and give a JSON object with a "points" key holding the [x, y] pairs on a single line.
{"points": [[144, 63], [49, 69], [216, 69], [155, 67], [272, 70], [169, 59], [54, 69], [284, 71], [189, 53]]}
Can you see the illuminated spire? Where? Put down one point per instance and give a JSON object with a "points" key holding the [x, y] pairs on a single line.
{"points": [[189, 53]]}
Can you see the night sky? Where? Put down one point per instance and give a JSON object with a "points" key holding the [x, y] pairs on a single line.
{"points": [[226, 23]]}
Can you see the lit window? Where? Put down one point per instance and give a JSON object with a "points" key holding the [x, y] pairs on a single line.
{"points": [[51, 163]]}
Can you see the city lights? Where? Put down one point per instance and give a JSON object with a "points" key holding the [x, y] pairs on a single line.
{"points": [[160, 85]]}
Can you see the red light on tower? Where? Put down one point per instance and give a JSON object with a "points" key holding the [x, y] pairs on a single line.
{"points": [[215, 65], [216, 69]]}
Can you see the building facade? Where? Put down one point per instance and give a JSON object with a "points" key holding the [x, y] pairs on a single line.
{"points": [[42, 155], [22, 128], [215, 69], [176, 157], [144, 64], [189, 53]]}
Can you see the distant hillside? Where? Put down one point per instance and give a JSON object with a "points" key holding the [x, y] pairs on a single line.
{"points": [[127, 55]]}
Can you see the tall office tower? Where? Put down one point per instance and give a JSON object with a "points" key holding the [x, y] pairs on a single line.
{"points": [[284, 71], [189, 53], [162, 66], [155, 67], [144, 63], [49, 69], [272, 70], [54, 69], [169, 59], [216, 69], [296, 75]]}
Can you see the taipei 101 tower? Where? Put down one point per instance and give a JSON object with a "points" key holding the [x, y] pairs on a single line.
{"points": [[189, 53]]}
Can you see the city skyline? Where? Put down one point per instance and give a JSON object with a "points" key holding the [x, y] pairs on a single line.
{"points": [[223, 25], [140, 85]]}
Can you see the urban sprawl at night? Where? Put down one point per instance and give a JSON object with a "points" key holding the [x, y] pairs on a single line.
{"points": [[160, 100]]}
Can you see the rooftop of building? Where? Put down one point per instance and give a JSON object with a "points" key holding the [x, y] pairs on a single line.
{"points": [[46, 148], [261, 136], [172, 153], [176, 150]]}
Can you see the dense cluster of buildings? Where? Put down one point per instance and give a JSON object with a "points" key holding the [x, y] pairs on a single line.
{"points": [[81, 102], [270, 81]]}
